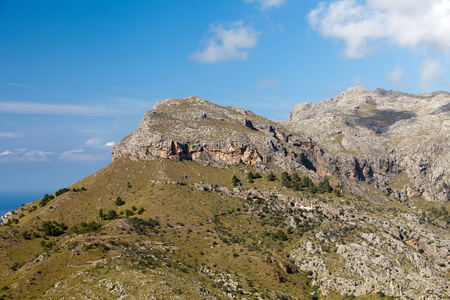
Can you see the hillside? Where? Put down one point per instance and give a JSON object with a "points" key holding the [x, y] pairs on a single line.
{"points": [[211, 202], [389, 134]]}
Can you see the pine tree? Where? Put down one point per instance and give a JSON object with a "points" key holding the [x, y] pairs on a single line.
{"points": [[235, 181]]}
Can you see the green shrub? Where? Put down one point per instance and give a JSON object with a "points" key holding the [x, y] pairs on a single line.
{"points": [[119, 201], [53, 228], [86, 227], [235, 181], [271, 177], [46, 199]]}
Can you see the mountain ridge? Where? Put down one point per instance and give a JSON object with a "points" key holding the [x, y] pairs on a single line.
{"points": [[211, 202], [366, 127]]}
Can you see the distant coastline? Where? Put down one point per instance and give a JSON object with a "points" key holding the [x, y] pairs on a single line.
{"points": [[12, 200]]}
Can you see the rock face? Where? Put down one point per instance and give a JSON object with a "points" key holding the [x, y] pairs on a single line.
{"points": [[195, 129], [300, 235], [399, 143]]}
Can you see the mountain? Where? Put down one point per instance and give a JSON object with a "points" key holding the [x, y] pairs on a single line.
{"points": [[389, 135], [348, 198]]}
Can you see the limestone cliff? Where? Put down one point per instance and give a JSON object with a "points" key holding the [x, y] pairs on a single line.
{"points": [[397, 142], [147, 226], [401, 142], [195, 129]]}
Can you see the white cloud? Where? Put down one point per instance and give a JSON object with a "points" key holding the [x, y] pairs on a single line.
{"points": [[81, 155], [8, 134], [266, 4], [18, 85], [431, 71], [92, 150], [4, 153], [23, 154], [227, 43], [267, 84], [412, 24], [94, 142], [357, 81], [36, 155], [55, 109], [397, 76]]}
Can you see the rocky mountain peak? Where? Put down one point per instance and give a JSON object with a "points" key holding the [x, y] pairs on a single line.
{"points": [[387, 130], [359, 101], [193, 101], [196, 129], [357, 205], [375, 136]]}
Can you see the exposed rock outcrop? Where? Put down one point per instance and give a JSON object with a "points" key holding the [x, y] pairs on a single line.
{"points": [[399, 143], [195, 129]]}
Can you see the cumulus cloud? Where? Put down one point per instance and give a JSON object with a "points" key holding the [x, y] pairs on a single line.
{"points": [[25, 155], [81, 155], [93, 142], [8, 135], [267, 84], [397, 76], [93, 149], [227, 43], [431, 71], [266, 4], [4, 153], [408, 24], [36, 155]]}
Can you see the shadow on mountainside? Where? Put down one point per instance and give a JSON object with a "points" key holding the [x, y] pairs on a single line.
{"points": [[443, 108], [379, 121]]}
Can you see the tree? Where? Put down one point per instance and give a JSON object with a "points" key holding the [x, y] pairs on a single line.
{"points": [[280, 235], [250, 176], [53, 228], [47, 198], [324, 186], [312, 189], [337, 190], [235, 181], [26, 235], [306, 182], [111, 215], [285, 179], [119, 201], [271, 177]]}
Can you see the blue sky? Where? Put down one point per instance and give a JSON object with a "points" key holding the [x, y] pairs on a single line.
{"points": [[77, 76]]}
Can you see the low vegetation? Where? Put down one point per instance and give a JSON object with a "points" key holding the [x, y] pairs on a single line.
{"points": [[155, 226]]}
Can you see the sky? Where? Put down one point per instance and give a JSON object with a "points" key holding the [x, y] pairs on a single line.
{"points": [[77, 76]]}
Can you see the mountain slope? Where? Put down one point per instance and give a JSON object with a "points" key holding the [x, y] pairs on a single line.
{"points": [[389, 133], [211, 202]]}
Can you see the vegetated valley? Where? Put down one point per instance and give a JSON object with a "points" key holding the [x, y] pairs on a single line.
{"points": [[209, 202]]}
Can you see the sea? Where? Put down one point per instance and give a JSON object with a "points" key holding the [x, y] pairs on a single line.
{"points": [[13, 200]]}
